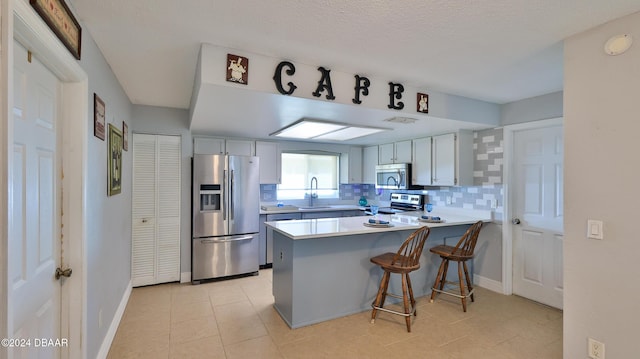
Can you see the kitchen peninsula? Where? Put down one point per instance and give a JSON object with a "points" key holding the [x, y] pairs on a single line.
{"points": [[321, 267]]}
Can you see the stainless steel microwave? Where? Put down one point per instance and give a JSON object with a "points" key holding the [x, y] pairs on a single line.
{"points": [[393, 176]]}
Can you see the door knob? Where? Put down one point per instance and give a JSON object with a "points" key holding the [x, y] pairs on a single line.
{"points": [[63, 272], [515, 221]]}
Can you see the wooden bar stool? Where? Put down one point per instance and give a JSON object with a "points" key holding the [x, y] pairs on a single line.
{"points": [[461, 253], [404, 261]]}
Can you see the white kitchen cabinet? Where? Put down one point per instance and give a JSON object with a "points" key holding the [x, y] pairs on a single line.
{"points": [[452, 159], [397, 152], [351, 165], [221, 146], [270, 161], [421, 165], [209, 145], [155, 252], [369, 162], [240, 147]]}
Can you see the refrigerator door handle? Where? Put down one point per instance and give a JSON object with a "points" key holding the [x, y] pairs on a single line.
{"points": [[226, 239], [231, 209], [224, 196]]}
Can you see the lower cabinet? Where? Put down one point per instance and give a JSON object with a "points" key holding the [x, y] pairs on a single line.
{"points": [[266, 234], [266, 256]]}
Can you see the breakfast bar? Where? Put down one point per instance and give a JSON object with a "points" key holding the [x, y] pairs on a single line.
{"points": [[321, 267]]}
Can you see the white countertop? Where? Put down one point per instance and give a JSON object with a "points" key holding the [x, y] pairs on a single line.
{"points": [[331, 227]]}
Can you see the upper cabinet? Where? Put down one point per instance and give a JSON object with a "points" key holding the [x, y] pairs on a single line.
{"points": [[421, 165], [270, 162], [208, 146], [397, 152], [369, 162], [452, 159], [351, 166], [221, 146], [444, 160], [240, 147]]}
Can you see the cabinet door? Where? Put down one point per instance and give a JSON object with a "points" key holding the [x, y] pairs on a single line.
{"points": [[351, 166], [369, 162], [240, 147], [269, 153], [403, 152], [386, 154], [208, 146], [444, 160], [421, 165]]}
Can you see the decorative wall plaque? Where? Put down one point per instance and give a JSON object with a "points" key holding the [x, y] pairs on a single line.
{"points": [[114, 161], [98, 117], [62, 22], [423, 103], [237, 69]]}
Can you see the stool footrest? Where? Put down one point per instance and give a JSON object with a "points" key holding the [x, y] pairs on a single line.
{"points": [[412, 312], [448, 292]]}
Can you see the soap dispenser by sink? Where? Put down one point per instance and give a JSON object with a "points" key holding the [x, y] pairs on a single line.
{"points": [[363, 201]]}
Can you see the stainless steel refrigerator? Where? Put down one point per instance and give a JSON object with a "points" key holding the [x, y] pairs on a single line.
{"points": [[226, 210]]}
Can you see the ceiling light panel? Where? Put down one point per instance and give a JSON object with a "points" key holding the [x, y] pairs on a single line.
{"points": [[349, 133], [307, 129]]}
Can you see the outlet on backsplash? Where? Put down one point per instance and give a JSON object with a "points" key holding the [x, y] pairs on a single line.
{"points": [[448, 200]]}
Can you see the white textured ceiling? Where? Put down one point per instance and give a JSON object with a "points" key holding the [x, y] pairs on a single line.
{"points": [[498, 51]]}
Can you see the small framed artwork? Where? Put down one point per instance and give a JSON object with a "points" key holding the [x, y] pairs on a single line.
{"points": [[125, 136], [114, 161], [98, 117], [237, 69], [423, 102]]}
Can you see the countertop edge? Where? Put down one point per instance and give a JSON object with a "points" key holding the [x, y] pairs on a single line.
{"points": [[366, 230]]}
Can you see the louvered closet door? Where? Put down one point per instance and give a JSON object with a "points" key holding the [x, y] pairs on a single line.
{"points": [[156, 209]]}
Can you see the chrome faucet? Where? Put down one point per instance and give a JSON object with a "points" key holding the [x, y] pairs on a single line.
{"points": [[311, 194]]}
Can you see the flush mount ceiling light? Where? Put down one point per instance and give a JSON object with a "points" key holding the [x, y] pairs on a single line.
{"points": [[405, 120], [618, 44], [324, 130]]}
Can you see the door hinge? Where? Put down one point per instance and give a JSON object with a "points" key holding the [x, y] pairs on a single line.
{"points": [[63, 273]]}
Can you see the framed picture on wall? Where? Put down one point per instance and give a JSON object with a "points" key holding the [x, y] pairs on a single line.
{"points": [[114, 161], [98, 117], [125, 136]]}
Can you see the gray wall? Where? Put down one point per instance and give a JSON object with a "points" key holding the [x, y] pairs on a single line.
{"points": [[171, 121], [532, 109], [108, 231], [602, 172]]}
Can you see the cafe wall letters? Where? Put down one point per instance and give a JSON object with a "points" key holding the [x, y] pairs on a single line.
{"points": [[361, 87]]}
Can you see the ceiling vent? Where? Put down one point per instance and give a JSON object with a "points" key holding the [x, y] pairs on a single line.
{"points": [[403, 120]]}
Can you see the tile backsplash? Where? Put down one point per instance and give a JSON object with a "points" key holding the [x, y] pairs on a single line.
{"points": [[486, 192]]}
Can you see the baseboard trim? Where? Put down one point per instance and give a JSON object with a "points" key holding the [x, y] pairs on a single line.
{"points": [[487, 283], [111, 333], [185, 277]]}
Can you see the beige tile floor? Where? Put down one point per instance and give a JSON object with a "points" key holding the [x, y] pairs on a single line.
{"points": [[235, 319]]}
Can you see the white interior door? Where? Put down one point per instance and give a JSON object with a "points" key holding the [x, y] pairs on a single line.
{"points": [[34, 243], [538, 199]]}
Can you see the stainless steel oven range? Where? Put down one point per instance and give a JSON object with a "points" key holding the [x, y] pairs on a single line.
{"points": [[403, 202]]}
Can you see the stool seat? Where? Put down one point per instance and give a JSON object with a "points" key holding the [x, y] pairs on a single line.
{"points": [[406, 260], [386, 261], [461, 253]]}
